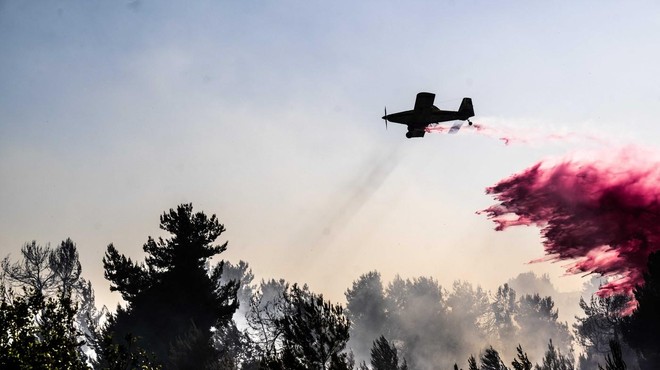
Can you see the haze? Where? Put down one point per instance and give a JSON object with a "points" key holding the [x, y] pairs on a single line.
{"points": [[268, 115]]}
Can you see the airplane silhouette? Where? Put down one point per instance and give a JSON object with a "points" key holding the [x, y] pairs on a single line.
{"points": [[425, 114]]}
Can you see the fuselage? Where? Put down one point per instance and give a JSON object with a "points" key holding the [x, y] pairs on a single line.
{"points": [[425, 117]]}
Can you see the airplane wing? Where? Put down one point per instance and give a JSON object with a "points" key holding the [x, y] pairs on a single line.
{"points": [[424, 101], [457, 126]]}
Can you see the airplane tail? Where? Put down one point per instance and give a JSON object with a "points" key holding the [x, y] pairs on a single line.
{"points": [[465, 110]]}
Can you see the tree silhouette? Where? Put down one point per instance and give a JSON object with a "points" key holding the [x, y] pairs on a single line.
{"points": [[417, 318], [384, 356], [554, 360], [54, 274], [491, 360], [536, 318], [614, 360], [503, 309], [39, 333], [641, 328], [601, 324], [44, 269], [366, 309], [522, 361], [472, 363], [468, 316], [314, 333], [173, 297], [316, 330], [267, 307]]}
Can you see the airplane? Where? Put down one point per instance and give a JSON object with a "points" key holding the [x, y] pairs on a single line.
{"points": [[425, 114]]}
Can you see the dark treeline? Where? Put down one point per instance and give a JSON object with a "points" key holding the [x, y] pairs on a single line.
{"points": [[183, 311]]}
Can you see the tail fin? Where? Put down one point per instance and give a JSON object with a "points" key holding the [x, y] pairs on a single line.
{"points": [[465, 110]]}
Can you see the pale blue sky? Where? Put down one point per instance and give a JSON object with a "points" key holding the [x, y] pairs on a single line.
{"points": [[268, 114]]}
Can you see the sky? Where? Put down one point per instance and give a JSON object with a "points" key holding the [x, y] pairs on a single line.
{"points": [[268, 114]]}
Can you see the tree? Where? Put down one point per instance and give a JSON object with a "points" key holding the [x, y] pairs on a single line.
{"points": [[417, 318], [39, 333], [614, 360], [315, 331], [554, 360], [124, 353], [267, 307], [601, 324], [55, 274], [503, 309], [384, 356], [522, 361], [46, 270], [366, 310], [536, 318], [641, 328], [468, 310], [472, 363], [241, 273], [491, 360], [173, 295], [65, 264]]}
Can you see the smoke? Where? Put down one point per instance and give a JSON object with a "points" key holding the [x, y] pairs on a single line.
{"points": [[436, 128], [524, 134], [599, 211], [510, 135], [434, 327], [350, 198]]}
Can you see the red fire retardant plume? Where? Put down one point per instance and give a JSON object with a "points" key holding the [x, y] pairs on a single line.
{"points": [[603, 215]]}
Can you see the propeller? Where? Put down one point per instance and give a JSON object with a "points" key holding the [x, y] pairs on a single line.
{"points": [[385, 118]]}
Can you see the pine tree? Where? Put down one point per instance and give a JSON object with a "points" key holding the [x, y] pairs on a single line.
{"points": [[641, 328], [614, 360], [472, 363], [602, 322], [39, 333], [366, 309], [491, 360], [53, 276], [315, 332], [384, 355], [554, 360], [522, 362], [503, 309], [173, 297]]}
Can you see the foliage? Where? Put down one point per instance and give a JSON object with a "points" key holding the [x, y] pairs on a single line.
{"points": [[55, 273], [521, 362], [367, 311], [614, 360], [173, 297], [123, 353], [641, 328], [491, 360], [433, 326], [36, 332], [418, 320], [315, 331], [555, 360], [384, 356], [267, 307], [537, 321], [472, 363], [601, 324], [503, 309], [46, 270]]}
